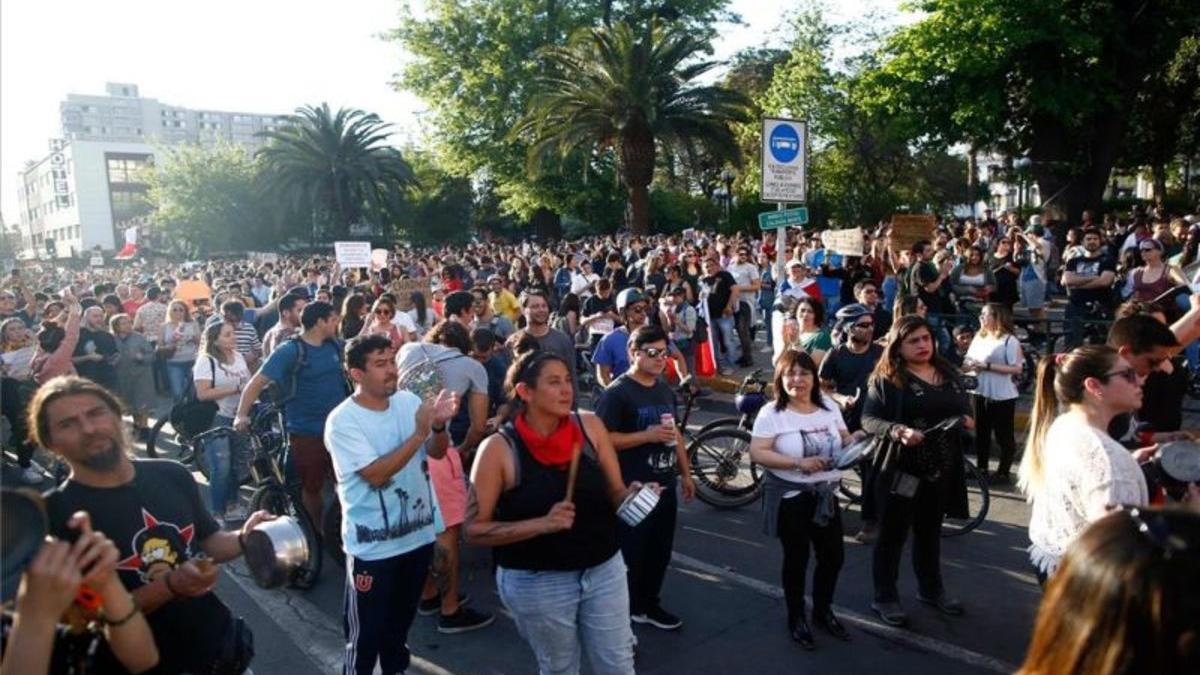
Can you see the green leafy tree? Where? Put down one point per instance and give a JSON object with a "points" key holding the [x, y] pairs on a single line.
{"points": [[438, 207], [469, 61], [207, 199], [337, 167], [625, 90], [1057, 80]]}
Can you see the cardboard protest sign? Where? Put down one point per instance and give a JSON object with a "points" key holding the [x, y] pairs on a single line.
{"points": [[191, 290], [404, 288], [909, 228], [845, 242]]}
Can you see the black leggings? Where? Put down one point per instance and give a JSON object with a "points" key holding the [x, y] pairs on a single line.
{"points": [[923, 514], [994, 417], [796, 530]]}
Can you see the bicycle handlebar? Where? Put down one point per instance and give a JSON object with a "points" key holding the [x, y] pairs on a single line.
{"points": [[213, 433]]}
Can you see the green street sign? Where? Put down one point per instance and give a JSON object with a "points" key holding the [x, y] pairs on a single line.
{"points": [[773, 220]]}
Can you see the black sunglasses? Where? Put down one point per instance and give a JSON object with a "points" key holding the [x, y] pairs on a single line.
{"points": [[654, 352]]}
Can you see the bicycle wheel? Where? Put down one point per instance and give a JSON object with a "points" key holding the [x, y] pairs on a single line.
{"points": [[725, 476], [152, 441], [978, 501], [331, 527], [275, 499], [722, 422]]}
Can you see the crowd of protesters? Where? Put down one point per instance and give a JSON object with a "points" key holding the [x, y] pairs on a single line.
{"points": [[913, 347]]}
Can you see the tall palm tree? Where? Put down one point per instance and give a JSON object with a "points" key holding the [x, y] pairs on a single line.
{"points": [[336, 167], [629, 89]]}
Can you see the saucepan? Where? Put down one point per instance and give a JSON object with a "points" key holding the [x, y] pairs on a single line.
{"points": [[275, 549], [23, 529]]}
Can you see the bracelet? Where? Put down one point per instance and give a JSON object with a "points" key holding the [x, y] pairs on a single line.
{"points": [[438, 430], [133, 611]]}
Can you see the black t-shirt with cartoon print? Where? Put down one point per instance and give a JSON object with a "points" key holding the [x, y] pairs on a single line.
{"points": [[627, 407], [157, 522]]}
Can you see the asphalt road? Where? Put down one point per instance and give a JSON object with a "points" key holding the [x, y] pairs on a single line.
{"points": [[724, 583]]}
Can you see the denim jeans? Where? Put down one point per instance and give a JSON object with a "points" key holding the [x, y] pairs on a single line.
{"points": [[725, 348], [179, 377], [222, 457], [558, 612]]}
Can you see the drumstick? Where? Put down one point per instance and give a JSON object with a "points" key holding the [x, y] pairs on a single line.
{"points": [[572, 472]]}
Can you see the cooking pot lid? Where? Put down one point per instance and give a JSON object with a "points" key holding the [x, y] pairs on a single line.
{"points": [[853, 453], [1181, 461]]}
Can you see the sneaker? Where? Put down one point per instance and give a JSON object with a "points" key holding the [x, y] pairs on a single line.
{"points": [[434, 605], [31, 475], [891, 613], [464, 620], [945, 605], [237, 513], [659, 618], [867, 534], [802, 634]]}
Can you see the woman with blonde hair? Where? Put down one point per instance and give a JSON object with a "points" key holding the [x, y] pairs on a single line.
{"points": [[995, 357], [1073, 472], [179, 343]]}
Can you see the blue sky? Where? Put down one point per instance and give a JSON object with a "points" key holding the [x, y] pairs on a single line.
{"points": [[217, 55]]}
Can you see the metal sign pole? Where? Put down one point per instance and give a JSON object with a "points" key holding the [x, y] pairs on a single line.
{"points": [[780, 245]]}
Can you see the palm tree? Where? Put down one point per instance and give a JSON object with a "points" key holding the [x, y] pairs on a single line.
{"points": [[630, 89], [336, 167]]}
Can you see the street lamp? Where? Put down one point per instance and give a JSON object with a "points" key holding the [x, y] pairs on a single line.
{"points": [[727, 177]]}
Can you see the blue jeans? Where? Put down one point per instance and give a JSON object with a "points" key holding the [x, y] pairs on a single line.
{"points": [[222, 459], [179, 378], [725, 349], [556, 612], [889, 288]]}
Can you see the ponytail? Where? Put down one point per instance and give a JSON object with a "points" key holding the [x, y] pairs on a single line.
{"points": [[1045, 409], [1060, 378]]}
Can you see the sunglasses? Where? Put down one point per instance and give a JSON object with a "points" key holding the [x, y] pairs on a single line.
{"points": [[1128, 374], [637, 308], [383, 312], [654, 352]]}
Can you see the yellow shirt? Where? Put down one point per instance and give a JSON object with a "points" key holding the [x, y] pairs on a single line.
{"points": [[505, 304]]}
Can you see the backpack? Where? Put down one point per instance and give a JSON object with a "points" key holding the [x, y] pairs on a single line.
{"points": [[282, 393], [424, 378], [191, 415]]}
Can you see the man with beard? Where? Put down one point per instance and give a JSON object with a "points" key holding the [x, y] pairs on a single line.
{"points": [[95, 354], [380, 439], [1088, 279], [536, 309], [153, 512]]}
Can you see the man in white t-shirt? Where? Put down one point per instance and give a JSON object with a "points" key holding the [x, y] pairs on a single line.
{"points": [[380, 440]]}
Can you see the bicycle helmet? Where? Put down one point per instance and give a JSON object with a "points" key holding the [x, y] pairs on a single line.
{"points": [[628, 297]]}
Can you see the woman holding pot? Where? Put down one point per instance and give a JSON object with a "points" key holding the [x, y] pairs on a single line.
{"points": [[918, 476], [797, 439], [558, 565]]}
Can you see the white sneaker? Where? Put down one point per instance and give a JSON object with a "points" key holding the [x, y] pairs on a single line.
{"points": [[32, 476], [236, 513]]}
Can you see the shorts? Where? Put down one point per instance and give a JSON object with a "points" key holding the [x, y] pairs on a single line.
{"points": [[311, 461], [450, 485]]}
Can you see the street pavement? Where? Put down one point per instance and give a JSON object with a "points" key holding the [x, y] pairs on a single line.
{"points": [[724, 583]]}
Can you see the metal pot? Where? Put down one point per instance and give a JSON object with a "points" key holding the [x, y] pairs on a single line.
{"points": [[275, 549], [23, 528]]}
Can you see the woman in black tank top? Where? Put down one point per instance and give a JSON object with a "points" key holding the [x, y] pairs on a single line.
{"points": [[559, 568]]}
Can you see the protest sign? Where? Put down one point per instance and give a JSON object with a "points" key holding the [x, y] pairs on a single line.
{"points": [[353, 253], [404, 288], [379, 259], [845, 242], [909, 228]]}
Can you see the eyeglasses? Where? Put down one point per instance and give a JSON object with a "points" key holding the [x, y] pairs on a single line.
{"points": [[383, 312], [1129, 374], [1154, 527], [654, 352]]}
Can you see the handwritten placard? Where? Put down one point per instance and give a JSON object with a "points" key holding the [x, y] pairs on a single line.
{"points": [[353, 253], [909, 228], [846, 242]]}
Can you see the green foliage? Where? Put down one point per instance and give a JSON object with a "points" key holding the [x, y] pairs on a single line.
{"points": [[438, 208], [624, 90], [1055, 79], [675, 210], [470, 63], [208, 199], [337, 167]]}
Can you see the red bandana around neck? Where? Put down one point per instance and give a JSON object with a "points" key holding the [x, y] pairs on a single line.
{"points": [[555, 449]]}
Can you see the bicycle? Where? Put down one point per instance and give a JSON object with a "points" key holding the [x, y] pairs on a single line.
{"points": [[720, 450], [979, 496]]}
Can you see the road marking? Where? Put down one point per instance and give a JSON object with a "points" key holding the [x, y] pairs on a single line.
{"points": [[312, 631], [862, 621], [723, 536]]}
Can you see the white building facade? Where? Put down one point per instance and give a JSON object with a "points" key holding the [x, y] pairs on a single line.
{"points": [[90, 188]]}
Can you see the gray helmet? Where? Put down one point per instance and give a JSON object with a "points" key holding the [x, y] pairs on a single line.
{"points": [[628, 297]]}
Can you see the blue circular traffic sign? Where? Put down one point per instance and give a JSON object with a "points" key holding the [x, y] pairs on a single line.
{"points": [[784, 143]]}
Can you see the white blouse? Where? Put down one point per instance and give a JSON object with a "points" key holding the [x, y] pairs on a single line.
{"points": [[1086, 474]]}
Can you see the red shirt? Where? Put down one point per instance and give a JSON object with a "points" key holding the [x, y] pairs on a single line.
{"points": [[131, 306]]}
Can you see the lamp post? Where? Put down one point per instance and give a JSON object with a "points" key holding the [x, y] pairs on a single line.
{"points": [[727, 177]]}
